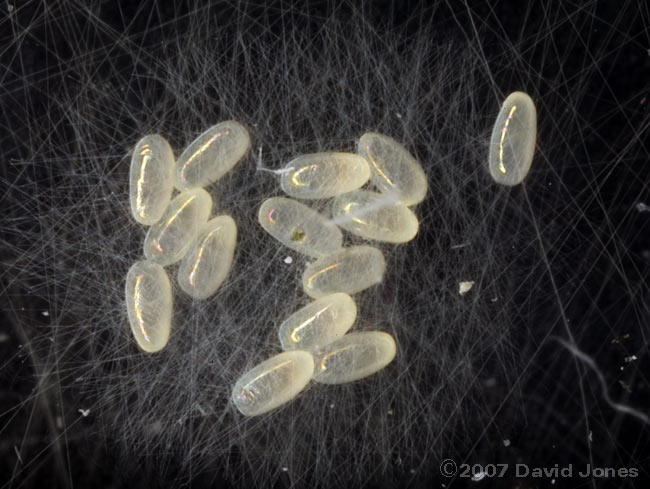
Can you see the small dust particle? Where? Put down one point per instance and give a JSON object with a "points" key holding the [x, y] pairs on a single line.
{"points": [[288, 260], [623, 338], [298, 236], [641, 207], [464, 287], [478, 476]]}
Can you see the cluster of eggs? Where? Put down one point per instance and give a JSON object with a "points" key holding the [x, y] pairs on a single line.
{"points": [[180, 229], [315, 339]]}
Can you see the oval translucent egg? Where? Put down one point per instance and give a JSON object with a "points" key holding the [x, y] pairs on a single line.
{"points": [[375, 216], [324, 175], [349, 270], [211, 155], [151, 179], [318, 323], [149, 305], [394, 170], [512, 144], [208, 260], [273, 382], [299, 227], [353, 357], [168, 239]]}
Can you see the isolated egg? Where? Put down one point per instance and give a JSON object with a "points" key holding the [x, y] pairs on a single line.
{"points": [[512, 144]]}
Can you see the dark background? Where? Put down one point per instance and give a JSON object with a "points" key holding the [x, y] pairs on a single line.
{"points": [[603, 286]]}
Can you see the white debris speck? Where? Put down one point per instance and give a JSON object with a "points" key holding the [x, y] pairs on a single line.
{"points": [[84, 412], [59, 422], [591, 437], [494, 299], [641, 207], [332, 406], [11, 8], [20, 459], [398, 115], [288, 260], [458, 246], [46, 313], [464, 287], [478, 476], [285, 469], [506, 443], [553, 481], [631, 358]]}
